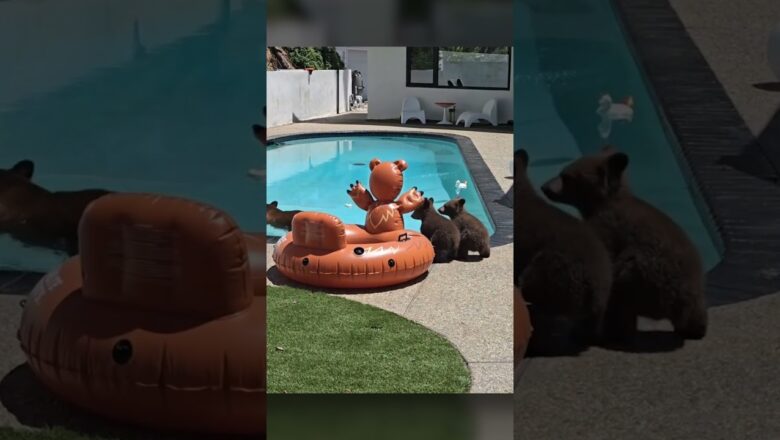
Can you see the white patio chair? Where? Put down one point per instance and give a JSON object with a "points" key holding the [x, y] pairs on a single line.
{"points": [[489, 113], [411, 109]]}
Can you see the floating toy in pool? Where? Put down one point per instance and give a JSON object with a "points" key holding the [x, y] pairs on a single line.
{"points": [[322, 251], [613, 111], [460, 186], [160, 320]]}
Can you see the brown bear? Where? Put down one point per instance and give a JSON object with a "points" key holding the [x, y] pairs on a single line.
{"points": [[441, 231], [473, 234], [260, 133], [657, 271], [38, 217], [278, 218], [383, 214], [562, 268]]}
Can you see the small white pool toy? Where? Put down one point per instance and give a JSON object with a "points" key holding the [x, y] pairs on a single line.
{"points": [[611, 111], [460, 186]]}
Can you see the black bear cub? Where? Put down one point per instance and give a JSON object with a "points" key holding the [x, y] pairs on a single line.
{"points": [[657, 271], [563, 269], [278, 218], [38, 217], [441, 231], [473, 235]]}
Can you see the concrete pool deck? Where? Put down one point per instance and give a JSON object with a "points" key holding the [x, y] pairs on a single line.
{"points": [[469, 303], [722, 387], [733, 37]]}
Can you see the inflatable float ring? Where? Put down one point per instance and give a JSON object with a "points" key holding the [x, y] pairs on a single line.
{"points": [[160, 321], [322, 251]]}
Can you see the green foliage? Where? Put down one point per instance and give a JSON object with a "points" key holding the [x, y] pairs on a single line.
{"points": [[303, 57], [422, 57], [476, 49], [320, 58], [330, 58]]}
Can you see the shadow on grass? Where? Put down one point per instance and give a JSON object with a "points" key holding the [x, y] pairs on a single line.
{"points": [[34, 406]]}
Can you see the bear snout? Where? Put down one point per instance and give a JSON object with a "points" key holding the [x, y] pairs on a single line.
{"points": [[553, 189]]}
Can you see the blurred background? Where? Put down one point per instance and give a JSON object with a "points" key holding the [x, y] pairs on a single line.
{"points": [[389, 23]]}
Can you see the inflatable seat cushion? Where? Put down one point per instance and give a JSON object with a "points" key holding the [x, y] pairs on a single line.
{"points": [[318, 230], [164, 254]]}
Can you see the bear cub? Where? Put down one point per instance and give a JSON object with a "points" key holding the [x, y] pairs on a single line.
{"points": [[37, 217], [562, 268], [473, 234], [441, 231], [278, 218], [657, 271]]}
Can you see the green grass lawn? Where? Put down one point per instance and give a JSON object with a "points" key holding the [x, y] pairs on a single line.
{"points": [[318, 343]]}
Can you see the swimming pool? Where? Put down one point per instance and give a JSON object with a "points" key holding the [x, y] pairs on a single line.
{"points": [[571, 53], [140, 96], [312, 173]]}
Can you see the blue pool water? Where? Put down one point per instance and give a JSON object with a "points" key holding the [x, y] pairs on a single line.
{"points": [[570, 53], [140, 96], [314, 174]]}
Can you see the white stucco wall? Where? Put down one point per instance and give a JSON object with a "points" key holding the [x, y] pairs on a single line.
{"points": [[387, 70], [294, 95]]}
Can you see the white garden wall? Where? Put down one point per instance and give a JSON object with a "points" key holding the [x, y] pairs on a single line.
{"points": [[295, 95], [387, 70]]}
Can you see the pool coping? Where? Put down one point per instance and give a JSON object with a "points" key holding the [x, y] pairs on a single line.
{"points": [[709, 129], [484, 180]]}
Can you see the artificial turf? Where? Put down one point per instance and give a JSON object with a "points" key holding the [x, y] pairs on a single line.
{"points": [[319, 343]]}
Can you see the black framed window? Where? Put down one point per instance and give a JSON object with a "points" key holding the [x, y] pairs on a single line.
{"points": [[482, 68]]}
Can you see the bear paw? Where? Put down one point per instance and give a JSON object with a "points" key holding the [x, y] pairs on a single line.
{"points": [[360, 194], [410, 200]]}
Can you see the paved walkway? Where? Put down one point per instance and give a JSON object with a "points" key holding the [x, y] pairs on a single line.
{"points": [[725, 386], [468, 303], [733, 37]]}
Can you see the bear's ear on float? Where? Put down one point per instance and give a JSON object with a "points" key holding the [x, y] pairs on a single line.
{"points": [[373, 163], [461, 202], [616, 165], [24, 168], [401, 164], [274, 203]]}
